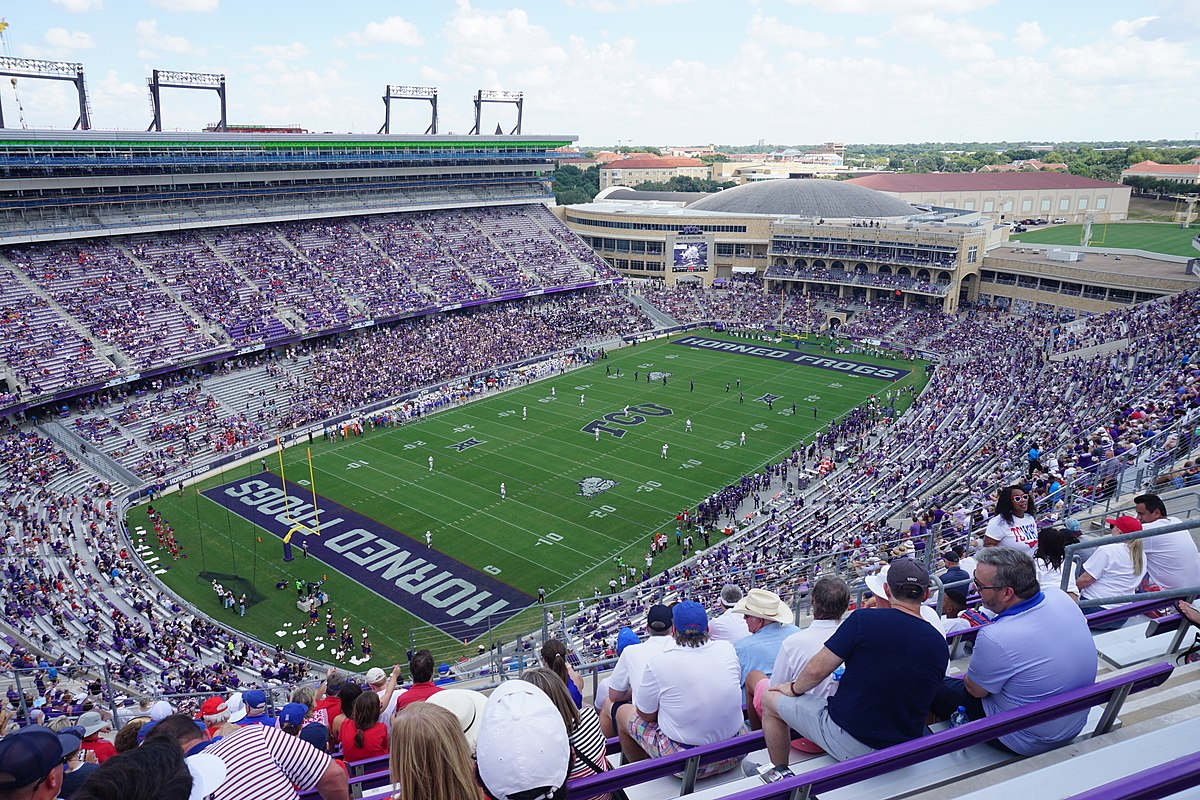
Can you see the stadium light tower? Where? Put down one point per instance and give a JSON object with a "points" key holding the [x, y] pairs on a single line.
{"points": [[52, 70], [408, 93], [167, 79], [490, 96]]}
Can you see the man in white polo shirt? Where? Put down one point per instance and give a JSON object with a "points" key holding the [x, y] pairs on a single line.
{"points": [[689, 695], [632, 663]]}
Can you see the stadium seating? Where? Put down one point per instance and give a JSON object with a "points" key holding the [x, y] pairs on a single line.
{"points": [[967, 433]]}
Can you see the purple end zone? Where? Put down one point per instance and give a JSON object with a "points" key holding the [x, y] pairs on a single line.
{"points": [[459, 600], [834, 363]]}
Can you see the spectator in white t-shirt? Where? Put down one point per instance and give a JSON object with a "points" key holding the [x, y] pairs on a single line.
{"points": [[729, 626], [385, 686], [1172, 559], [1012, 526], [1113, 570]]}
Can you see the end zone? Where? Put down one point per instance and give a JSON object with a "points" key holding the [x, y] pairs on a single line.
{"points": [[457, 599]]}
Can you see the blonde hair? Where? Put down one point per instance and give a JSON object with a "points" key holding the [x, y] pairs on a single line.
{"points": [[1136, 551], [430, 758], [1137, 554], [306, 695], [549, 682]]}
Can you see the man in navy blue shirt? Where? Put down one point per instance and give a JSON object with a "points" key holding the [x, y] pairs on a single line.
{"points": [[894, 664], [954, 574]]}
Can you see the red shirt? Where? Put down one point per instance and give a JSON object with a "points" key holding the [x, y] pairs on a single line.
{"points": [[375, 741], [418, 692], [103, 748], [326, 710]]}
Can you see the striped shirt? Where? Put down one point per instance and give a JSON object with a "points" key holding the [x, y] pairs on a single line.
{"points": [[264, 762], [588, 739]]}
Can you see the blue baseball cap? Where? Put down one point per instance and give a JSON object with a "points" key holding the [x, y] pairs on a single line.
{"points": [[293, 713], [689, 618], [255, 698], [626, 637]]}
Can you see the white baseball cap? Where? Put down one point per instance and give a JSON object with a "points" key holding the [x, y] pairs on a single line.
{"points": [[522, 743]]}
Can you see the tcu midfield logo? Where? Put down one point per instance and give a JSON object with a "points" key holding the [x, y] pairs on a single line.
{"points": [[590, 487], [626, 418]]}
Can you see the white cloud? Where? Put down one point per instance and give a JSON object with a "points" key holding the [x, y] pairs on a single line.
{"points": [[1030, 37], [393, 30], [1129, 61], [608, 6], [282, 52], [188, 6], [1130, 27], [481, 39], [955, 39], [79, 6], [61, 39], [867, 43], [57, 43], [152, 40], [1177, 21], [770, 29], [892, 7]]}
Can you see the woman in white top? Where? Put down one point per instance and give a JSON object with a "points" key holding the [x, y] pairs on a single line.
{"points": [[1113, 569], [1013, 525], [1049, 557]]}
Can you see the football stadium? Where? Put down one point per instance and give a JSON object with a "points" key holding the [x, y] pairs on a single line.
{"points": [[283, 410]]}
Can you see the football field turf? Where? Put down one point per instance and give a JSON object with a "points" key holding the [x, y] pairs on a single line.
{"points": [[586, 482], [1154, 237]]}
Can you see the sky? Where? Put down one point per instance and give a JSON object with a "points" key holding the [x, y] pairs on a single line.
{"points": [[634, 72]]}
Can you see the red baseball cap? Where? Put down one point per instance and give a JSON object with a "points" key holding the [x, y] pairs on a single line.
{"points": [[1125, 524]]}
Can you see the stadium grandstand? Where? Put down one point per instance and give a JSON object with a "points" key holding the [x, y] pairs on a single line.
{"points": [[172, 303]]}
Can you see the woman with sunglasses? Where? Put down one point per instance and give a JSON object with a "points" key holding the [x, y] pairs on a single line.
{"points": [[1013, 524]]}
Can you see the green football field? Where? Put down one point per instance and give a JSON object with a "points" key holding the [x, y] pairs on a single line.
{"points": [[574, 501], [1154, 237]]}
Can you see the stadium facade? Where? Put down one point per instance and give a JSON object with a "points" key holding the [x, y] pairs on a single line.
{"points": [[859, 244], [70, 184]]}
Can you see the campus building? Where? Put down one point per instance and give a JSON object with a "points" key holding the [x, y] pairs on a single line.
{"points": [[640, 169], [1008, 196], [1187, 175]]}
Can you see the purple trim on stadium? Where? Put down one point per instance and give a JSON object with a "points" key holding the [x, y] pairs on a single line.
{"points": [[457, 599], [842, 365]]}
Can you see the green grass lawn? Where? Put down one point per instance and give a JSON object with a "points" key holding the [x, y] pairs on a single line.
{"points": [[1153, 237], [546, 533]]}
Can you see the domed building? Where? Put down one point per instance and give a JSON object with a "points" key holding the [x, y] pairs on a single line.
{"points": [[826, 236], [813, 197]]}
